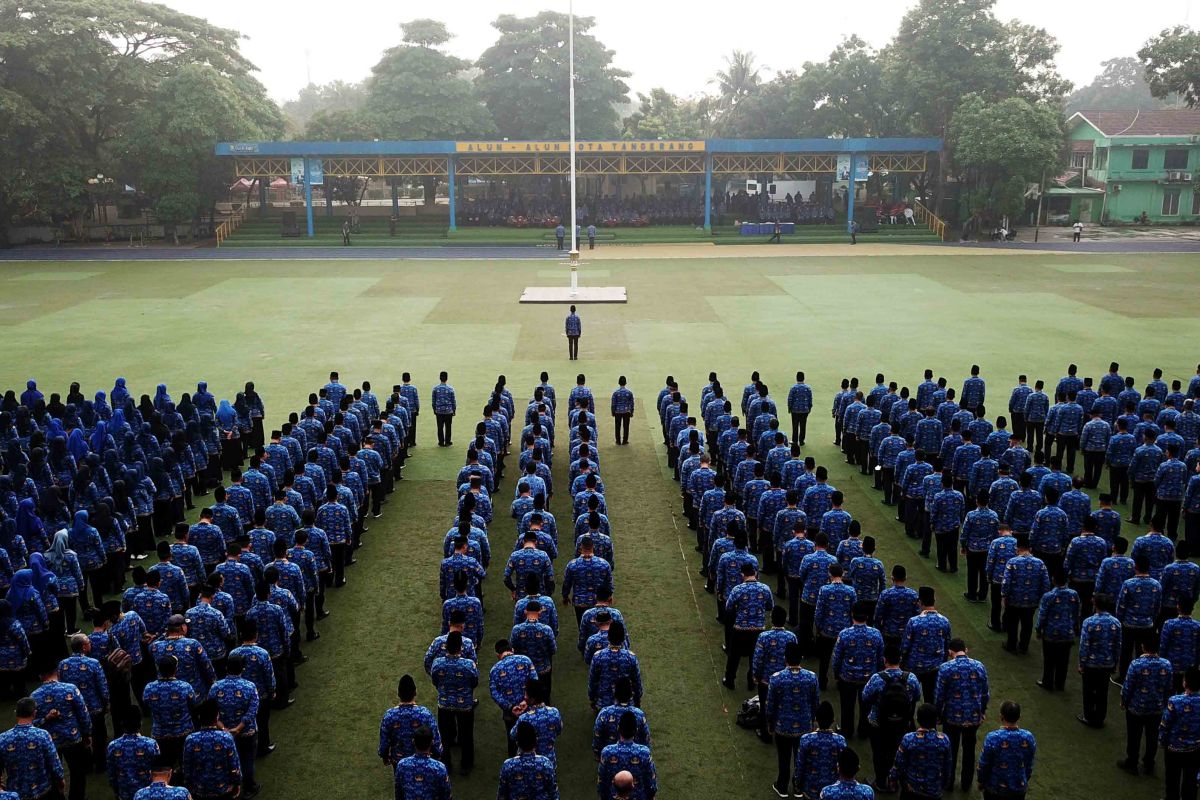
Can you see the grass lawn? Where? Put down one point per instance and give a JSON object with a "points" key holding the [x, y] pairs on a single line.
{"points": [[285, 326]]}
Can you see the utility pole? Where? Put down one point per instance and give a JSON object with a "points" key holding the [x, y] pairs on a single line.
{"points": [[1037, 223], [574, 255]]}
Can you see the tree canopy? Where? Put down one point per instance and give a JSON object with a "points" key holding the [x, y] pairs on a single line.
{"points": [[523, 79], [1121, 85], [1172, 64]]}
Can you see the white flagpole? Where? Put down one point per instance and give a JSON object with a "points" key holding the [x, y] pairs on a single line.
{"points": [[571, 98]]}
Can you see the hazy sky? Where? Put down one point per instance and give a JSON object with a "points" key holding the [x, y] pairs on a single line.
{"points": [[668, 43]]}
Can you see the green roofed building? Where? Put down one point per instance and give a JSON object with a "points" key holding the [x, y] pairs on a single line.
{"points": [[1128, 163]]}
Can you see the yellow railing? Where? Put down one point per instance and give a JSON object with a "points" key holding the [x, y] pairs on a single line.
{"points": [[226, 228], [930, 220]]}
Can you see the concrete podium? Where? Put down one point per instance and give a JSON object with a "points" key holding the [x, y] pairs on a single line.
{"points": [[574, 293]]}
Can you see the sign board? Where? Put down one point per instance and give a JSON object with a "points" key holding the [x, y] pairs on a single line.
{"points": [[619, 146], [316, 172], [861, 168]]}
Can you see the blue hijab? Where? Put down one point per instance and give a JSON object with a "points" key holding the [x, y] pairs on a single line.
{"points": [[99, 437], [55, 430], [21, 590], [42, 574], [29, 524], [161, 398], [77, 445], [101, 405], [119, 394], [226, 415], [31, 395]]}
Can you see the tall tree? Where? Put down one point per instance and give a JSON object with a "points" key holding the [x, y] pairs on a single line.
{"points": [[738, 80], [324, 98], [844, 95], [524, 82], [1172, 64], [1121, 85], [1001, 148], [418, 91], [167, 151], [662, 115]]}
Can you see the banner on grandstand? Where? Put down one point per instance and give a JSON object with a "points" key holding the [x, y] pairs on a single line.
{"points": [[618, 146], [843, 168], [316, 172]]}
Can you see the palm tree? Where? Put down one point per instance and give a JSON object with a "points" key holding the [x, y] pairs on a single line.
{"points": [[738, 80]]}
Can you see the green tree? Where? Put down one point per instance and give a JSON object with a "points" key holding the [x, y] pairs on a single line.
{"points": [[1121, 85], [1001, 148], [168, 149], [417, 91], [1172, 64], [662, 115], [524, 82], [80, 73], [342, 125], [326, 98], [946, 49]]}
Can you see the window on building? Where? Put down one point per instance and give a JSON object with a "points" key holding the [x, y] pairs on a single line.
{"points": [[1081, 160], [1141, 159], [1170, 205], [1195, 202], [1176, 158], [1101, 158]]}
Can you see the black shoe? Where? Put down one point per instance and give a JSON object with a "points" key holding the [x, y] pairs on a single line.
{"points": [[1148, 769], [269, 749], [299, 661], [764, 737], [1009, 648], [778, 791], [994, 628], [1043, 685], [728, 684], [323, 615], [1129, 767], [312, 637], [249, 792]]}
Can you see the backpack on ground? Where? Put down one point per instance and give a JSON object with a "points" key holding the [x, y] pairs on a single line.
{"points": [[748, 714]]}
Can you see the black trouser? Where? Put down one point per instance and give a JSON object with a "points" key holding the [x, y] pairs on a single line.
{"points": [[376, 498], [1181, 774], [1118, 483], [849, 692], [591, 243], [1018, 424], [337, 554], [444, 424], [457, 728], [412, 431], [1056, 658], [1085, 590], [785, 749], [863, 455], [310, 614], [741, 644], [509, 720], [1143, 494], [947, 550], [1093, 466], [573, 347], [621, 427], [887, 482], [285, 677], [560, 242], [1095, 694], [997, 620], [928, 682], [1167, 515], [914, 507], [804, 630], [1137, 726], [78, 760], [1070, 444], [1019, 619], [987, 795], [324, 580], [963, 737], [1191, 530], [263, 722], [885, 739], [824, 645], [99, 739], [1131, 640], [1037, 436], [850, 447], [247, 750], [977, 582], [799, 426], [793, 597], [1053, 561], [96, 579]]}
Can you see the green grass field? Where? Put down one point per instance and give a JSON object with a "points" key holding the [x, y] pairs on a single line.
{"points": [[286, 325]]}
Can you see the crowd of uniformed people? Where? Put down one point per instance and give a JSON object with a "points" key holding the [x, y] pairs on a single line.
{"points": [[1009, 502]]}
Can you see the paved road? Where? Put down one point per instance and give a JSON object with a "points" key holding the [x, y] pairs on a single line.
{"points": [[122, 253], [1109, 246]]}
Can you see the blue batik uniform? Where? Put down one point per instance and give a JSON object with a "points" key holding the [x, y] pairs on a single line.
{"points": [[523, 563], [1114, 571], [1180, 643], [472, 609], [129, 759], [609, 666], [799, 399], [833, 609], [170, 703], [792, 699], [1147, 686], [1179, 579], [925, 642], [73, 723], [847, 551], [1139, 601], [872, 693], [962, 692], [86, 675], [1100, 641], [1158, 550], [923, 763], [1144, 466], [1085, 554], [634, 758], [528, 776], [547, 724], [794, 551], [605, 729], [420, 776], [1023, 506], [443, 399], [847, 790], [437, 649], [768, 656], [835, 524], [1025, 580], [30, 764], [928, 435], [814, 574], [1006, 762], [984, 473], [979, 529], [508, 679], [536, 640], [1050, 533], [455, 678], [583, 578], [857, 654], [239, 583], [1179, 730], [749, 604], [946, 511], [274, 627], [237, 703], [816, 761], [896, 606], [210, 763]]}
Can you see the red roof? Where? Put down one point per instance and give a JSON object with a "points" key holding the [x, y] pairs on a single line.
{"points": [[1162, 122]]}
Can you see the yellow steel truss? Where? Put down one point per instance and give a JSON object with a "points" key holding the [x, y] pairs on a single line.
{"points": [[586, 164]]}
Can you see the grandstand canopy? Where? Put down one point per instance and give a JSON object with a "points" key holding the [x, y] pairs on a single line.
{"points": [[840, 158]]}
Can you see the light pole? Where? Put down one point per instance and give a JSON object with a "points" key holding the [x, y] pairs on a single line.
{"points": [[574, 254]]}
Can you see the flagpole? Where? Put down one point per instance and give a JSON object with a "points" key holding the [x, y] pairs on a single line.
{"points": [[574, 256]]}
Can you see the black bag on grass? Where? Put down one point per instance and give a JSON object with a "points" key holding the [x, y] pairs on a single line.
{"points": [[748, 714]]}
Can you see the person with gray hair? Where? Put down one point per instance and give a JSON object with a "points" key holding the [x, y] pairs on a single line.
{"points": [[87, 675]]}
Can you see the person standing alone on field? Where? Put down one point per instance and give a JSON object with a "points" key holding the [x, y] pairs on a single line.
{"points": [[591, 232], [574, 330], [560, 233], [444, 406], [1078, 231]]}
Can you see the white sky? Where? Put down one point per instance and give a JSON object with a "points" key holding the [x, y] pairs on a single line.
{"points": [[662, 42]]}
